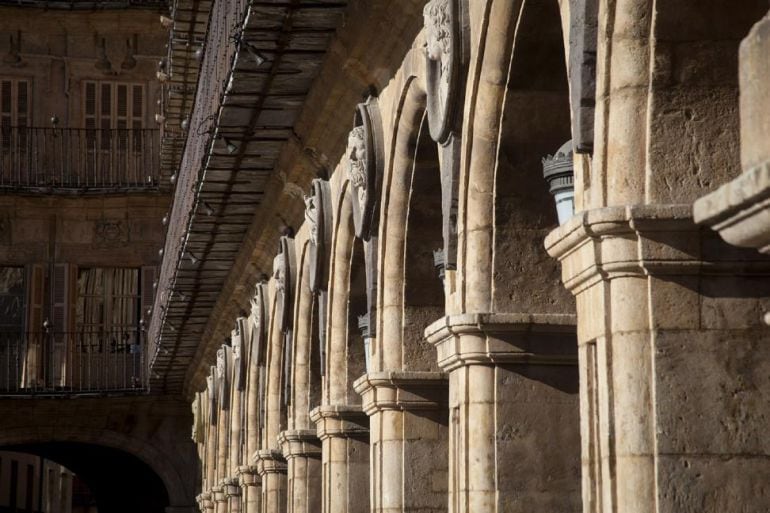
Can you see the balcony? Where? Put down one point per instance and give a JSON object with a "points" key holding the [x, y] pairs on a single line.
{"points": [[82, 362], [79, 159]]}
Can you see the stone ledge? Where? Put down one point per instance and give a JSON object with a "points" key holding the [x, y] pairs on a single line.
{"points": [[340, 420], [643, 240], [270, 462], [403, 391], [740, 210], [248, 475], [299, 443], [504, 338]]}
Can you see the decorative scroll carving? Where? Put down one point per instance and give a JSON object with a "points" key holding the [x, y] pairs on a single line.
{"points": [[283, 273], [259, 322], [365, 162], [197, 411]]}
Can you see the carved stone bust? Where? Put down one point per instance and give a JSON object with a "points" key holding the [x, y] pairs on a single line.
{"points": [[311, 217], [357, 164], [438, 35]]}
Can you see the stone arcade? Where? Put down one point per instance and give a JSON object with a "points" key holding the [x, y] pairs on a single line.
{"points": [[364, 291]]}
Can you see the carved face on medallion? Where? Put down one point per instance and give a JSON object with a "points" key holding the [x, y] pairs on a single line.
{"points": [[357, 171], [438, 30], [311, 216], [279, 273], [221, 364]]}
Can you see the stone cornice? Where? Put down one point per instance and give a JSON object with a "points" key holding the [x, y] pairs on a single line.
{"points": [[340, 420], [299, 443], [503, 338], [270, 462], [248, 475], [740, 210], [642, 240], [402, 390]]}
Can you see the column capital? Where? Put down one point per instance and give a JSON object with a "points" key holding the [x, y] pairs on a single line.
{"points": [[230, 487], [503, 338], [205, 501], [340, 420], [402, 390], [270, 461], [248, 475], [299, 443], [218, 494]]}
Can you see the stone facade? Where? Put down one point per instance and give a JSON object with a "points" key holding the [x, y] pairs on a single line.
{"points": [[409, 327]]}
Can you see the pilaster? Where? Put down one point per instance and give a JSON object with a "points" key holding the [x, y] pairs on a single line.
{"points": [[672, 361], [232, 491], [219, 498], [302, 451], [513, 411], [272, 468], [251, 493], [344, 434]]}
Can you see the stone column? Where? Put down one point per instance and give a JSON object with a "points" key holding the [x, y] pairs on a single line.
{"points": [[271, 467], [302, 451], [344, 434], [673, 362], [233, 493], [513, 431], [408, 424], [220, 499], [206, 501], [251, 489]]}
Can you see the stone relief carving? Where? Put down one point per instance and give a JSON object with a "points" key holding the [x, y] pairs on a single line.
{"points": [[197, 407], [318, 216], [365, 161], [283, 275], [357, 162], [438, 36], [259, 321], [223, 384], [110, 233], [239, 359], [211, 387]]}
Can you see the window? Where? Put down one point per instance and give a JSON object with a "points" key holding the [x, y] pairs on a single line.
{"points": [[14, 107], [107, 299], [110, 106], [11, 299]]}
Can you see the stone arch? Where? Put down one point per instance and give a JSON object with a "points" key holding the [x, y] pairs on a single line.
{"points": [[179, 487], [409, 164], [345, 355], [305, 378]]}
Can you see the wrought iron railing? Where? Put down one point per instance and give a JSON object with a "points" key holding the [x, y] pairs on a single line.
{"points": [[92, 361], [79, 158]]}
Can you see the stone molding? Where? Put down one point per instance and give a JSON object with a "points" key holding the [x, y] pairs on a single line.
{"points": [[299, 443], [231, 487], [402, 391], [270, 461], [218, 494], [248, 475], [340, 420], [503, 338], [740, 210], [641, 240], [205, 501]]}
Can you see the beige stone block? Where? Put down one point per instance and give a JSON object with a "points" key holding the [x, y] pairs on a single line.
{"points": [[755, 96]]}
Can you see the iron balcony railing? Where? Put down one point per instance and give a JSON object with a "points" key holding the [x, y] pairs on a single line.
{"points": [[93, 361], [79, 158]]}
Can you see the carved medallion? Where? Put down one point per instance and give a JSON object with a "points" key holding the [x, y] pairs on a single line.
{"points": [[444, 49], [110, 234], [211, 388], [239, 358], [259, 322], [283, 276], [365, 161], [223, 380], [318, 215]]}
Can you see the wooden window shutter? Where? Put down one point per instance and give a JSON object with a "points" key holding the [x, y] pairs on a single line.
{"points": [[33, 359], [5, 111], [149, 274], [62, 290], [89, 105], [22, 103]]}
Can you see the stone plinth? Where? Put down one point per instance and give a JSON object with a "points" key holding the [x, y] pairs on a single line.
{"points": [[251, 493], [344, 434], [513, 411], [673, 361], [272, 468], [408, 422], [302, 450]]}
